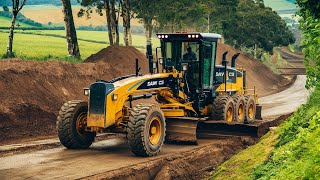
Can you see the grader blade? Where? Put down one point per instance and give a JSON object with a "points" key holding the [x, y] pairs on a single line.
{"points": [[182, 129]]}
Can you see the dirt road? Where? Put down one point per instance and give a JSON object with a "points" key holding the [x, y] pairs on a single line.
{"points": [[112, 158], [286, 101]]}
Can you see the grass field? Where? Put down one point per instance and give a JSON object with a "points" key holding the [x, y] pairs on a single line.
{"points": [[49, 13], [5, 21], [37, 47], [93, 36], [43, 45]]}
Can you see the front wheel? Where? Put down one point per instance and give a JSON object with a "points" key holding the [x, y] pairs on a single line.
{"points": [[71, 125], [146, 129]]}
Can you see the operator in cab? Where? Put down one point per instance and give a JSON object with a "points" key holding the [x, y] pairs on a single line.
{"points": [[189, 56]]}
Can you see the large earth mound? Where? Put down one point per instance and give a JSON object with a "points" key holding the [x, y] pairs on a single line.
{"points": [[121, 57], [33, 92]]}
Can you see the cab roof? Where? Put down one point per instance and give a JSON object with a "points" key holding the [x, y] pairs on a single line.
{"points": [[189, 36]]}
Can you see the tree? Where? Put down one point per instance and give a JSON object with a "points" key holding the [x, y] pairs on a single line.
{"points": [[249, 24], [114, 22], [183, 15], [71, 34], [112, 15], [126, 15], [309, 24], [5, 8], [17, 5], [145, 10]]}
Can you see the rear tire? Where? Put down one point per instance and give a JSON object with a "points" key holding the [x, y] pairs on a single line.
{"points": [[146, 130], [223, 109], [250, 109], [71, 125], [240, 107]]}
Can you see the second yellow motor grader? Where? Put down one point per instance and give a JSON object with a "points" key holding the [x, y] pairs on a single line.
{"points": [[188, 87]]}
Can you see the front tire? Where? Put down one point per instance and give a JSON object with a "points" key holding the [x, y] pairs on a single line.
{"points": [[71, 125], [146, 130]]}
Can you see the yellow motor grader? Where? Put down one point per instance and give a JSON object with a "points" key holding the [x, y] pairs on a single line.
{"points": [[187, 86]]}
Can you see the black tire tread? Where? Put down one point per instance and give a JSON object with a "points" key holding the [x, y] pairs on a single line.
{"points": [[246, 120], [237, 98], [136, 129], [218, 110], [64, 126]]}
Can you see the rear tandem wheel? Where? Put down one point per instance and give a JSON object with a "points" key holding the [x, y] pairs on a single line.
{"points": [[223, 109], [240, 107], [250, 109]]}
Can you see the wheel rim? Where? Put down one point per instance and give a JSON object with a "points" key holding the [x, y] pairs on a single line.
{"points": [[251, 111], [229, 114], [241, 111], [155, 130], [81, 123]]}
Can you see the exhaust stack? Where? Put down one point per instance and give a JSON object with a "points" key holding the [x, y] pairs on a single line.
{"points": [[233, 60]]}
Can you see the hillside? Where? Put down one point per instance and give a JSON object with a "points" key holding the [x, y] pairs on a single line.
{"points": [[290, 151], [6, 22]]}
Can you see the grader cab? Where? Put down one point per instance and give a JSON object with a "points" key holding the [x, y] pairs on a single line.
{"points": [[187, 86]]}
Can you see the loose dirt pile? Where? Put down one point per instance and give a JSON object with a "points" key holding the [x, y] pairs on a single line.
{"points": [[121, 57], [258, 74], [33, 92]]}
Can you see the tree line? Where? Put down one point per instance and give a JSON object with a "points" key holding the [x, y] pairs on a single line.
{"points": [[243, 23], [310, 25]]}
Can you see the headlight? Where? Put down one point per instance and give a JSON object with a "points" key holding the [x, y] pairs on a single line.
{"points": [[86, 92]]}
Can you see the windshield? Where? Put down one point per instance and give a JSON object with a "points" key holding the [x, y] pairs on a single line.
{"points": [[179, 52], [198, 56]]}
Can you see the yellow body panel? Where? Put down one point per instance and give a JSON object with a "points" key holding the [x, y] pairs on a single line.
{"points": [[173, 112], [230, 87], [115, 111], [125, 88]]}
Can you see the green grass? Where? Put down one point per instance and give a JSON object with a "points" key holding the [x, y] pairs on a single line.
{"points": [[292, 151], [41, 7], [6, 22], [51, 44], [297, 154], [34, 47], [242, 164], [139, 41], [274, 61]]}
